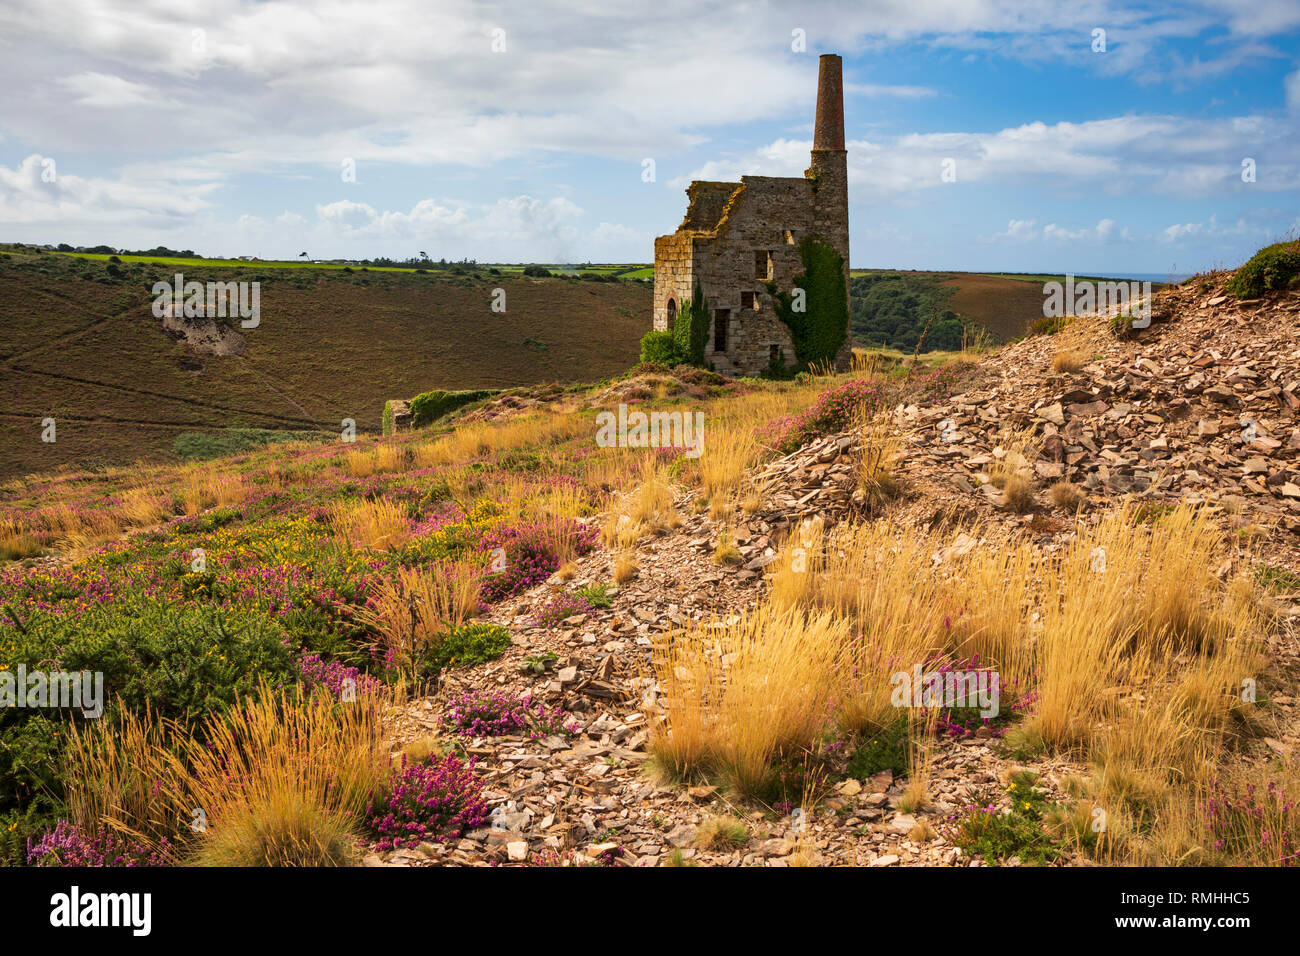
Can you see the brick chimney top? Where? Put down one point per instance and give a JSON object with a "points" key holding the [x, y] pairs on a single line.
{"points": [[829, 129]]}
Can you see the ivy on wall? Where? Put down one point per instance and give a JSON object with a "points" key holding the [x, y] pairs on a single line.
{"points": [[691, 329], [819, 330], [684, 342]]}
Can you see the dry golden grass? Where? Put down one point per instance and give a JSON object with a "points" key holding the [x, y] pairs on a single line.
{"points": [[1136, 648], [378, 525], [275, 825], [725, 551], [740, 695], [389, 457], [1068, 361], [280, 781], [358, 463], [1018, 492], [420, 750], [721, 833], [16, 541], [112, 769], [795, 572], [883, 585], [1135, 597], [418, 606], [1013, 471], [144, 506], [200, 487], [647, 510], [1066, 496], [625, 568], [876, 461], [920, 759], [996, 587]]}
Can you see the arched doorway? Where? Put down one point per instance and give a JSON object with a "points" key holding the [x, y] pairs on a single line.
{"points": [[672, 313]]}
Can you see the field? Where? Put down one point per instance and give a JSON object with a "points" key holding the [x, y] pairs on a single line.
{"points": [[632, 271], [893, 307], [81, 346]]}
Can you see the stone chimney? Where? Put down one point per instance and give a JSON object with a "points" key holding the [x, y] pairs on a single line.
{"points": [[829, 131], [829, 172]]}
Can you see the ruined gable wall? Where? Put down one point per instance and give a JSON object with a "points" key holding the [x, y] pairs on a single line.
{"points": [[674, 274]]}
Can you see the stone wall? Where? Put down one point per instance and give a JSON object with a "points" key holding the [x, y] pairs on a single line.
{"points": [[674, 274]]}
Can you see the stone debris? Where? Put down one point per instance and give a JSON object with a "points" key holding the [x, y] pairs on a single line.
{"points": [[1202, 406]]}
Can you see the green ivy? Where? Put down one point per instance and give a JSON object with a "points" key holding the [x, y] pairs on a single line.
{"points": [[691, 328], [819, 330], [683, 344], [430, 406]]}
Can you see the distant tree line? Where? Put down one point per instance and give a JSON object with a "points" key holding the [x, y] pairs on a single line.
{"points": [[892, 309]]}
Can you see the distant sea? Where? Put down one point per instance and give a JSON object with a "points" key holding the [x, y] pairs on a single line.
{"points": [[1146, 276]]}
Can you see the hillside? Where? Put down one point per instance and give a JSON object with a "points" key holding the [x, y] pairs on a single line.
{"points": [[81, 345], [657, 657], [893, 307]]}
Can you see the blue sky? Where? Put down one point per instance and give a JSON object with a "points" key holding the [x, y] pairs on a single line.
{"points": [[509, 132]]}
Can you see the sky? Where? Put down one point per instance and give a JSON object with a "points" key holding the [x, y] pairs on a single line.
{"points": [[1084, 135]]}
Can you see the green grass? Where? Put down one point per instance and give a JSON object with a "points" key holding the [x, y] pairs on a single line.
{"points": [[1276, 579], [997, 837], [884, 750], [202, 446]]}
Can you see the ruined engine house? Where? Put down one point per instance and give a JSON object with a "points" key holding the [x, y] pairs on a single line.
{"points": [[747, 250]]}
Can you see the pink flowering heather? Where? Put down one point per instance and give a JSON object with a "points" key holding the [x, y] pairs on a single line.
{"points": [[563, 605], [837, 407], [495, 714], [1261, 825], [834, 411], [530, 554], [427, 802], [333, 676], [69, 845]]}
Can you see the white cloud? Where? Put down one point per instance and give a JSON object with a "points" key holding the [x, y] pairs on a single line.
{"points": [[1019, 230], [104, 91], [1170, 155], [872, 89], [41, 190], [1213, 228], [1026, 230]]}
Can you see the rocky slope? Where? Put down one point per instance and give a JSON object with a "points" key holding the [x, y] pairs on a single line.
{"points": [[1202, 406]]}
